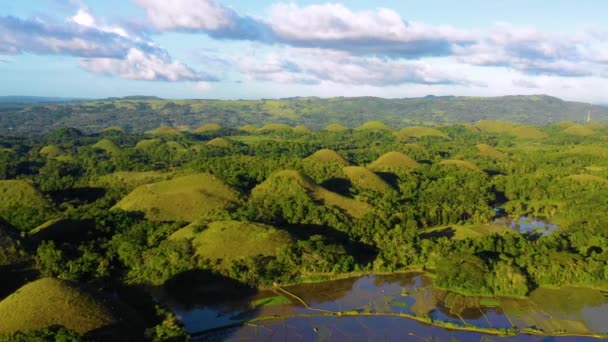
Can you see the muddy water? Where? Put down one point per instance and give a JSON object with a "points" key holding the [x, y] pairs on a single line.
{"points": [[285, 318]]}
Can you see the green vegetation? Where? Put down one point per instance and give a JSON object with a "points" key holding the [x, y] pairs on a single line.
{"points": [[145, 114], [123, 211], [210, 127], [419, 132], [270, 301], [165, 130], [365, 179], [51, 151], [107, 145], [393, 162], [219, 142], [48, 302], [374, 126], [335, 127], [329, 156], [180, 199], [228, 241], [579, 130]]}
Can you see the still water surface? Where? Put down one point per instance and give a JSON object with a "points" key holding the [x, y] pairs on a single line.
{"points": [[572, 310]]}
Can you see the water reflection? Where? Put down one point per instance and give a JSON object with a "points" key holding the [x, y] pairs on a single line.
{"points": [[572, 310]]}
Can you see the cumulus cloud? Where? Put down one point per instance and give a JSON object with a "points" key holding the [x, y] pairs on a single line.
{"points": [[138, 65], [383, 33], [332, 26], [532, 52], [101, 48], [313, 66]]}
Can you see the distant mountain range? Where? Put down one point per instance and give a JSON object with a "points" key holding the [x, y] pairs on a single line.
{"points": [[35, 99], [38, 115]]}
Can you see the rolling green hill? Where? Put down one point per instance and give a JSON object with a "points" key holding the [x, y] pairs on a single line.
{"points": [[365, 179], [393, 162], [233, 240], [47, 302], [281, 184], [143, 114], [180, 199]]}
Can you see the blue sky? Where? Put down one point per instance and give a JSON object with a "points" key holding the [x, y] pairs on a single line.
{"points": [[272, 49]]}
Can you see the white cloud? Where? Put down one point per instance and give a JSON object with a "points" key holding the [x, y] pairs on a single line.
{"points": [[138, 65], [313, 66], [84, 18], [187, 14]]}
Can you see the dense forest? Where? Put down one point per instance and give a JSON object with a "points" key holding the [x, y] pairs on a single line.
{"points": [[100, 218], [29, 116]]}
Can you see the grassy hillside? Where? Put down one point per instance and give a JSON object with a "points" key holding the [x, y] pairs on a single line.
{"points": [[489, 151], [463, 164], [393, 162], [210, 127], [106, 145], [21, 193], [47, 302], [329, 156], [180, 199], [233, 240], [280, 184], [143, 114], [363, 178], [219, 142], [419, 131], [51, 151]]}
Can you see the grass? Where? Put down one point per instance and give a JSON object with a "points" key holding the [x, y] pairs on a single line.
{"points": [[147, 143], [419, 132], [21, 193], [462, 164], [47, 302], [302, 129], [400, 304], [219, 142], [166, 130], [210, 127], [461, 232], [51, 151], [565, 124], [471, 128], [176, 146], [131, 179], [583, 178], [489, 302], [181, 199], [274, 127], [363, 178], [270, 301], [393, 162], [489, 151], [56, 229], [335, 127], [249, 128], [295, 179], [579, 130], [329, 156], [233, 240], [374, 126], [528, 132], [495, 126], [107, 145]]}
